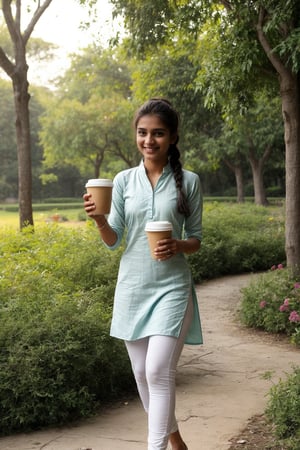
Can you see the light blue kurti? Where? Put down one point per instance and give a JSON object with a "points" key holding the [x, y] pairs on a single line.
{"points": [[151, 296]]}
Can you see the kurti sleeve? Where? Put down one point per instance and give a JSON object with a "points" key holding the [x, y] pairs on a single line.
{"points": [[116, 217], [193, 223]]}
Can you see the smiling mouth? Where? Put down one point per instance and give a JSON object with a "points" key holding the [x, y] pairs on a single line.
{"points": [[150, 149]]}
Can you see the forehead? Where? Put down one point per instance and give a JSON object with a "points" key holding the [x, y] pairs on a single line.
{"points": [[151, 121]]}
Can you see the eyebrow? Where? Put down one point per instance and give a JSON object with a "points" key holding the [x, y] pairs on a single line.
{"points": [[154, 129]]}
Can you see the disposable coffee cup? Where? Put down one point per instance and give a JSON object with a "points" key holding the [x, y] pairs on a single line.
{"points": [[157, 231], [101, 194]]}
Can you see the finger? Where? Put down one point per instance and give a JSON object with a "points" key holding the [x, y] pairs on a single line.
{"points": [[166, 242]]}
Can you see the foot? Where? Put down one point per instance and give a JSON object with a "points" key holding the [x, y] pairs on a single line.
{"points": [[176, 441], [181, 447]]}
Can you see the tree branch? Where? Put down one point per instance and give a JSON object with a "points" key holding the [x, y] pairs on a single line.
{"points": [[37, 14], [275, 61], [6, 64], [227, 5], [267, 153], [10, 22], [229, 164], [18, 14]]}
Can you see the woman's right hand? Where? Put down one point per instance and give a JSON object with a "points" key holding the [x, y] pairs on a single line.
{"points": [[89, 207], [88, 204], [107, 233]]}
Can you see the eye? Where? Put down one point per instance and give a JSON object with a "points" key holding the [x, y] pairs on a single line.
{"points": [[141, 132], [159, 133]]}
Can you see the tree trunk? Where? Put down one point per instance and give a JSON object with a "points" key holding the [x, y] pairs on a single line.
{"points": [[239, 184], [21, 97], [260, 197], [17, 71], [238, 173], [98, 162], [290, 97], [289, 88]]}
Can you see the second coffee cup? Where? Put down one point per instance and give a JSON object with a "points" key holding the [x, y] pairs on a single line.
{"points": [[157, 231], [101, 194]]}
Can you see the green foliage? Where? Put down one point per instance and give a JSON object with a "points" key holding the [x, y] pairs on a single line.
{"points": [[96, 71], [88, 124], [233, 58], [272, 303], [151, 78], [238, 238], [82, 134], [57, 360], [283, 410]]}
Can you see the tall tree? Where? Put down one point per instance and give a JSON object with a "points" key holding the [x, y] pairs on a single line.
{"points": [[258, 39], [89, 121], [8, 167], [16, 68], [82, 135], [8, 150], [171, 72], [254, 136]]}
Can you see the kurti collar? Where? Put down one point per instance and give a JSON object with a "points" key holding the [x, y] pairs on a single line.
{"points": [[167, 169]]}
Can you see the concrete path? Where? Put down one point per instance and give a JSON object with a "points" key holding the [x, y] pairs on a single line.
{"points": [[219, 385]]}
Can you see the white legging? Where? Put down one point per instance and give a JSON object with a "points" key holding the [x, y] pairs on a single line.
{"points": [[154, 360]]}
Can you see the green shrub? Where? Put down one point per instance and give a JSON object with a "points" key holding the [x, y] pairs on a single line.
{"points": [[238, 239], [57, 360], [283, 409], [272, 303]]}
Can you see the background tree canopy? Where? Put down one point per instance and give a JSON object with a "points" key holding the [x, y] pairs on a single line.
{"points": [[223, 64], [253, 44]]}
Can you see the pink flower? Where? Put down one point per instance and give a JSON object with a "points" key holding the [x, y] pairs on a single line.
{"points": [[297, 285], [263, 304], [283, 308], [280, 266], [294, 317], [273, 267], [285, 305]]}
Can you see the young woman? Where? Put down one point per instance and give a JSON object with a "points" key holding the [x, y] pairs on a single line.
{"points": [[155, 306]]}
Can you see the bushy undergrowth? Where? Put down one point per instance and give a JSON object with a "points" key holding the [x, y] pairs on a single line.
{"points": [[272, 303], [57, 361], [283, 410], [237, 239]]}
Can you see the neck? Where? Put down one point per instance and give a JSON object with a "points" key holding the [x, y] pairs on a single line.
{"points": [[153, 172], [154, 168]]}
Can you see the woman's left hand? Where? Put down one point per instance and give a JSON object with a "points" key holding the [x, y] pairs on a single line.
{"points": [[166, 248]]}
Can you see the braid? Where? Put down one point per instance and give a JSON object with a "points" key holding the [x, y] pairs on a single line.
{"points": [[174, 159], [170, 117]]}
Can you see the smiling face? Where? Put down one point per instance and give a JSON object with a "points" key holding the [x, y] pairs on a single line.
{"points": [[153, 139]]}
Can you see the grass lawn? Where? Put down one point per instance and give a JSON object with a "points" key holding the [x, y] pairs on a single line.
{"points": [[11, 218]]}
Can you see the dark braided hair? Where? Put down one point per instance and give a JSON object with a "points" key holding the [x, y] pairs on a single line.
{"points": [[162, 108]]}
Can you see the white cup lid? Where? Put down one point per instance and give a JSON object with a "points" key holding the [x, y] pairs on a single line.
{"points": [[96, 182], [158, 226]]}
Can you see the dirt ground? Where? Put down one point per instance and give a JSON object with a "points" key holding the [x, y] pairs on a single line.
{"points": [[221, 388], [256, 435]]}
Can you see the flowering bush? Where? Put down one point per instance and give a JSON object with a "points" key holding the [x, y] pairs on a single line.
{"points": [[283, 410], [272, 303]]}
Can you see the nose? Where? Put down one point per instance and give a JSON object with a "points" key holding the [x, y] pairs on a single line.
{"points": [[148, 138]]}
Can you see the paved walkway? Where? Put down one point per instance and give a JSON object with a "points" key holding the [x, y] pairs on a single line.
{"points": [[219, 386]]}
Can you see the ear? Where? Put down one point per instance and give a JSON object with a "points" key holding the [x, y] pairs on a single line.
{"points": [[174, 139]]}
